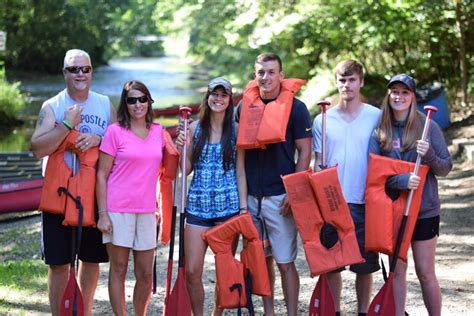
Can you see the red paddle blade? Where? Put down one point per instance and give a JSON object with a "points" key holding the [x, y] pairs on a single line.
{"points": [[179, 303], [72, 302], [169, 273], [322, 301], [384, 302]]}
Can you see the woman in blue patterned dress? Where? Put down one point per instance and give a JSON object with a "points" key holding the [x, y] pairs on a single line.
{"points": [[218, 189]]}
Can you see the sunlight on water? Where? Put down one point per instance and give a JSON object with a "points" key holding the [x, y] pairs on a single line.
{"points": [[171, 80]]}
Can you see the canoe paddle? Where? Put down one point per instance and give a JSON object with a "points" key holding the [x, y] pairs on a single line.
{"points": [[72, 302], [322, 301], [179, 303], [384, 302]]}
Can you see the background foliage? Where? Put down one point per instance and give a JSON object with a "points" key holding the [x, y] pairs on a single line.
{"points": [[418, 37], [433, 40]]}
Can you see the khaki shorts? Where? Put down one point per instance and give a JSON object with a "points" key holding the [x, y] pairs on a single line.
{"points": [[132, 230], [280, 230]]}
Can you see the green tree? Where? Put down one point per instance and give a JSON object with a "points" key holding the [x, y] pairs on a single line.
{"points": [[419, 37]]}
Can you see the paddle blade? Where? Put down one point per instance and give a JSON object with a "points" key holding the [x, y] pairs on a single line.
{"points": [[169, 272], [72, 303], [179, 303], [384, 302], [322, 301]]}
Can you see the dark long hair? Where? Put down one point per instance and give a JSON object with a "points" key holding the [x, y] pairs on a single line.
{"points": [[227, 131], [123, 117]]}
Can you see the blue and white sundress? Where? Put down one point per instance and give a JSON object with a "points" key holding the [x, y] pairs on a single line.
{"points": [[213, 193]]}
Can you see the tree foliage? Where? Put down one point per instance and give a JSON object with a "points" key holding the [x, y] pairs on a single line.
{"points": [[418, 37], [39, 32]]}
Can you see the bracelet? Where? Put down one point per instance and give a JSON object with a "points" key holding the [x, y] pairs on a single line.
{"points": [[244, 208], [68, 125], [100, 139], [103, 211]]}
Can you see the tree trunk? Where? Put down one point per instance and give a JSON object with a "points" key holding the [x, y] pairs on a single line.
{"points": [[462, 50]]}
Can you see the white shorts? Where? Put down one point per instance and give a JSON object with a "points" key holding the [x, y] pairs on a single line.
{"points": [[132, 230], [281, 230]]}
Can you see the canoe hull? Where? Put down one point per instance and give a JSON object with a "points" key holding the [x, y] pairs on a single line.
{"points": [[20, 196]]}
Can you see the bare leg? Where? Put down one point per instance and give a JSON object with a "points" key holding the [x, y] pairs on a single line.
{"points": [[57, 281], [291, 286], [143, 270], [400, 286], [335, 284], [424, 256], [268, 301], [118, 257], [88, 278], [195, 250], [363, 289]]}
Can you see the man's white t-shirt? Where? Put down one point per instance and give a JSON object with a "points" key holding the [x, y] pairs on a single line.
{"points": [[347, 147]]}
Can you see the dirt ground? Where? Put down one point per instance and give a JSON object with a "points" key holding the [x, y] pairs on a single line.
{"points": [[454, 253]]}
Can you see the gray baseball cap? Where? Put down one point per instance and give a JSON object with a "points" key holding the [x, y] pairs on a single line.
{"points": [[405, 79], [220, 82]]}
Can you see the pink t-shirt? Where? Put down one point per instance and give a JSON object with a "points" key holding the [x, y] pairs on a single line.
{"points": [[131, 185]]}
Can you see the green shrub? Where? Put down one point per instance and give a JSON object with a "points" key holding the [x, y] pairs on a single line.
{"points": [[12, 101]]}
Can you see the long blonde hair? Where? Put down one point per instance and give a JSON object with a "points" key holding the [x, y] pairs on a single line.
{"points": [[413, 127]]}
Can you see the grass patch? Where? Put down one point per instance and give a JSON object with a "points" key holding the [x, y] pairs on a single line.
{"points": [[23, 287], [24, 275], [20, 243]]}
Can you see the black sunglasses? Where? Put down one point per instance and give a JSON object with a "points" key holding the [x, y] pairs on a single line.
{"points": [[76, 69], [133, 100]]}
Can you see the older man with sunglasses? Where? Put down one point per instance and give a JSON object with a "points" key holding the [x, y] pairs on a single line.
{"points": [[76, 107]]}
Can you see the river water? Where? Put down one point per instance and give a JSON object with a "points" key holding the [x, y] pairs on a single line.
{"points": [[172, 81]]}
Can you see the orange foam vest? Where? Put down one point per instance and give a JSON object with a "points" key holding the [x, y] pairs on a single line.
{"points": [[383, 216], [262, 124], [168, 169], [58, 174], [230, 272], [316, 199]]}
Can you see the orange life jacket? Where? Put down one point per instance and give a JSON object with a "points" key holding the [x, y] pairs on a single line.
{"points": [[59, 175], [383, 216], [232, 290], [316, 199], [168, 169], [262, 124]]}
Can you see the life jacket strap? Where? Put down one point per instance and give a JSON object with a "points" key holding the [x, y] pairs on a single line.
{"points": [[75, 245], [249, 289], [238, 287]]}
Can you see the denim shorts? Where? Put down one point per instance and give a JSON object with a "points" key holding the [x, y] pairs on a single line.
{"points": [[329, 238], [194, 220]]}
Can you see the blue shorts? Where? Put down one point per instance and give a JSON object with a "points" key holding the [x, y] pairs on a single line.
{"points": [[194, 220], [329, 238]]}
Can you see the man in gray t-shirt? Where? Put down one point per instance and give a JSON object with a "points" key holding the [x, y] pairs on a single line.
{"points": [[90, 113]]}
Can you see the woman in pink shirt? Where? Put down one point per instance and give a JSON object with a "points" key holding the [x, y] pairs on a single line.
{"points": [[130, 158]]}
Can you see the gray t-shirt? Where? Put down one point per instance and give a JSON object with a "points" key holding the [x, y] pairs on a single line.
{"points": [[437, 158], [95, 116]]}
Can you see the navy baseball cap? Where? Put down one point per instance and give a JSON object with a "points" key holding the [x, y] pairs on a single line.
{"points": [[220, 82], [405, 79]]}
